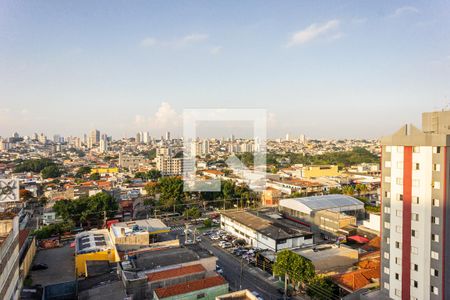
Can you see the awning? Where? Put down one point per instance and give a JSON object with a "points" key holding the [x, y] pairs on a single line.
{"points": [[358, 239]]}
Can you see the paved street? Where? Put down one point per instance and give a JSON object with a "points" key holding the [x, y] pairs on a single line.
{"points": [[252, 278]]}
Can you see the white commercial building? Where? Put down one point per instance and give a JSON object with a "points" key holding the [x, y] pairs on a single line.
{"points": [[264, 233]]}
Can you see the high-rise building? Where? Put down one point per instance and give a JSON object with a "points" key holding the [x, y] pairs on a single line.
{"points": [[103, 147], [139, 137], [415, 236], [9, 257], [95, 137], [168, 136], [145, 137]]}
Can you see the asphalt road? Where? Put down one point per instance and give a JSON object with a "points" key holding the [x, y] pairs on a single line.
{"points": [[232, 272]]}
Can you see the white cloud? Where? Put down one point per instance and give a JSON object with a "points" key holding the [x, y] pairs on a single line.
{"points": [[149, 42], [404, 10], [215, 50], [165, 118], [313, 32], [186, 40], [193, 38]]}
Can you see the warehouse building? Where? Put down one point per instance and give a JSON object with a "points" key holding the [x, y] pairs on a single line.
{"points": [[265, 232], [326, 215]]}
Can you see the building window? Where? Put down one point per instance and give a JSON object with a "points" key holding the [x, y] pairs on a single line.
{"points": [[399, 181], [387, 164], [400, 197], [387, 225], [414, 283], [398, 261], [387, 210], [437, 167], [397, 276], [434, 290], [398, 245], [416, 200], [434, 272], [414, 250], [437, 185], [434, 255], [416, 149], [387, 179], [386, 270], [388, 240], [435, 220], [436, 202], [417, 166], [413, 233], [387, 194], [435, 237], [386, 255], [415, 217], [398, 213], [386, 285], [398, 293], [436, 149], [398, 229], [415, 267]]}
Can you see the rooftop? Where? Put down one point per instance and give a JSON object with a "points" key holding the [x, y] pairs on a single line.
{"points": [[314, 203], [92, 241], [139, 227], [274, 228], [156, 276], [159, 258], [190, 286]]}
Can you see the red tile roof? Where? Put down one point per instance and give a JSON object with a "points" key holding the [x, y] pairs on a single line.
{"points": [[175, 272], [190, 286], [356, 280]]}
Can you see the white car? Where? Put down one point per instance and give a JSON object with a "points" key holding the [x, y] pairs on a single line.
{"points": [[198, 239], [215, 237]]}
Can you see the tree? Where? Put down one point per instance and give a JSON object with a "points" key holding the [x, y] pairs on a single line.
{"points": [[348, 190], [95, 176], [84, 209], [33, 165], [153, 175], [82, 171], [335, 190], [152, 188], [294, 267], [322, 288], [171, 189], [361, 189], [192, 213], [51, 171], [207, 223]]}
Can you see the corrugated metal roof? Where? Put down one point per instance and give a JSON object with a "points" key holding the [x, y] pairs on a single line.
{"points": [[315, 203]]}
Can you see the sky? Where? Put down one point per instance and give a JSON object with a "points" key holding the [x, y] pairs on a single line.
{"points": [[326, 69]]}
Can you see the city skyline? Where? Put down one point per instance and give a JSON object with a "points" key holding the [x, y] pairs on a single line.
{"points": [[135, 67]]}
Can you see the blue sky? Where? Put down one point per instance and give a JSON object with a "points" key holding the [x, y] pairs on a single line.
{"points": [[325, 69]]}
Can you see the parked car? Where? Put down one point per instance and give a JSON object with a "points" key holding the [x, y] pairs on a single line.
{"points": [[257, 295], [198, 239], [38, 267], [225, 245], [215, 237]]}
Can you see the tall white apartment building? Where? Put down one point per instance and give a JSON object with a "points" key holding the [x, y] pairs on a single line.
{"points": [[9, 258], [414, 228]]}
